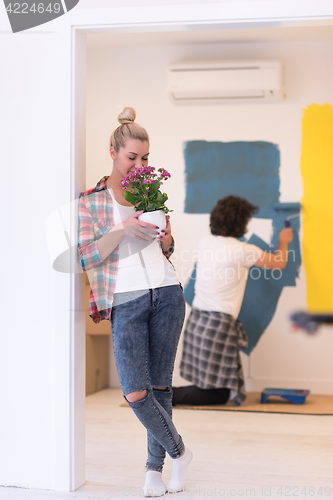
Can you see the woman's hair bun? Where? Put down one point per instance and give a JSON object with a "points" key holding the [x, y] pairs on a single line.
{"points": [[133, 130], [127, 116]]}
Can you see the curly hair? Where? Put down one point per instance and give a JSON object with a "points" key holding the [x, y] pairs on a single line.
{"points": [[230, 216]]}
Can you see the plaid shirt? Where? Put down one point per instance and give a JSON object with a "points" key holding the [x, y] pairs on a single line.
{"points": [[96, 220]]}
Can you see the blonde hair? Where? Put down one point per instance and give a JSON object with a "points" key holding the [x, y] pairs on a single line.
{"points": [[127, 129]]}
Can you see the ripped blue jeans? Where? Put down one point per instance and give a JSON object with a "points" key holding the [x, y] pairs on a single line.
{"points": [[145, 334]]}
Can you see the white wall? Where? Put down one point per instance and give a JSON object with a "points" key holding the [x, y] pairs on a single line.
{"points": [[136, 76], [28, 315], [35, 300]]}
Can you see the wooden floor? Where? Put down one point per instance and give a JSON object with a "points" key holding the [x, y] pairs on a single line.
{"points": [[236, 455]]}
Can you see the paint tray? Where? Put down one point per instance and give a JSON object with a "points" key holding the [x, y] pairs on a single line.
{"points": [[296, 396]]}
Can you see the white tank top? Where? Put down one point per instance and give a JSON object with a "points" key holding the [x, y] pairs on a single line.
{"points": [[142, 264]]}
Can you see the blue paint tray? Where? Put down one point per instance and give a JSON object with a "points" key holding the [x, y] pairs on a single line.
{"points": [[296, 396]]}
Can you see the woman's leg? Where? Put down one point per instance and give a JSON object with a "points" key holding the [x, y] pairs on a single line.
{"points": [[131, 345], [193, 395], [164, 331], [155, 450]]}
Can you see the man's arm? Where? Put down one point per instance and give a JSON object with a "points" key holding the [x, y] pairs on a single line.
{"points": [[277, 260]]}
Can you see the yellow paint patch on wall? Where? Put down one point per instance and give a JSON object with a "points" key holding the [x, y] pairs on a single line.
{"points": [[317, 202]]}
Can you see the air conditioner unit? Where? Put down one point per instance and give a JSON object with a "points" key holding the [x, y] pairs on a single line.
{"points": [[226, 82]]}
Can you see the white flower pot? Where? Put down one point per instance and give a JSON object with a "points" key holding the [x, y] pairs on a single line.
{"points": [[156, 217]]}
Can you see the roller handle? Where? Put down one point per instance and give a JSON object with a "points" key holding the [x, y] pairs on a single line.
{"points": [[287, 223]]}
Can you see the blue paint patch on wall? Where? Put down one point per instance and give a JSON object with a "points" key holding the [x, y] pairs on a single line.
{"points": [[189, 287], [217, 169], [261, 296]]}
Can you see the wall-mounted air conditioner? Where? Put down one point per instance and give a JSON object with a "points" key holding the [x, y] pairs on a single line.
{"points": [[226, 81]]}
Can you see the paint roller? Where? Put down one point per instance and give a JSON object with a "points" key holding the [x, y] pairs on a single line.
{"points": [[290, 207]]}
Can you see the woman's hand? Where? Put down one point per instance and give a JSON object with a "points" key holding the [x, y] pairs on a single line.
{"points": [[138, 229], [165, 237]]}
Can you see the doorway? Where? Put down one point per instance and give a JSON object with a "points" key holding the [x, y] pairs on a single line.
{"points": [[146, 34]]}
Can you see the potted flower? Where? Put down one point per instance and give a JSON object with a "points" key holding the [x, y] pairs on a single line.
{"points": [[141, 189]]}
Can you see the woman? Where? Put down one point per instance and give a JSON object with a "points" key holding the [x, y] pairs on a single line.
{"points": [[213, 335], [135, 286]]}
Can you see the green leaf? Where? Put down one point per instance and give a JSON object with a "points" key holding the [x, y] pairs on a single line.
{"points": [[151, 207], [161, 198], [131, 197], [154, 187], [141, 206]]}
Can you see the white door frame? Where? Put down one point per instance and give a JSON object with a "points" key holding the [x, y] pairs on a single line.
{"points": [[70, 431]]}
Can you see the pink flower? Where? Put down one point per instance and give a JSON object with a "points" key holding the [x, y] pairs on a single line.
{"points": [[142, 177]]}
